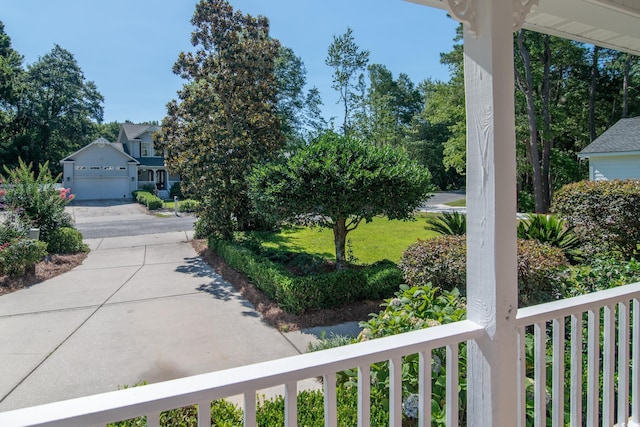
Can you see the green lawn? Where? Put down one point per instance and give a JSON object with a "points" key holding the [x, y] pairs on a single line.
{"points": [[375, 241], [458, 203]]}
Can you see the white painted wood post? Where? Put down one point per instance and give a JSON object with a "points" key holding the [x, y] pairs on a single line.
{"points": [[491, 207]]}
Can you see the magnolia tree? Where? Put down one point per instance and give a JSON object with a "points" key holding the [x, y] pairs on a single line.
{"points": [[337, 182]]}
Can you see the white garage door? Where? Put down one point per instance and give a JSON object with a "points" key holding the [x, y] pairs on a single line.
{"points": [[101, 188]]}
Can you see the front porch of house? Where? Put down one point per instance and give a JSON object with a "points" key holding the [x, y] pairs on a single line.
{"points": [[573, 361], [589, 347]]}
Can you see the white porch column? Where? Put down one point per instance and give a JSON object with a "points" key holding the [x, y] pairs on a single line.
{"points": [[491, 206]]}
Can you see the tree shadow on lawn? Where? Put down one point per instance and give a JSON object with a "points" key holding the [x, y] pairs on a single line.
{"points": [[283, 240]]}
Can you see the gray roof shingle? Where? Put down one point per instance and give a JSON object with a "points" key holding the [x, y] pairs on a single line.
{"points": [[624, 136], [133, 131]]}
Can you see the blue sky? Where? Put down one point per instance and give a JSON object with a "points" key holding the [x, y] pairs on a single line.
{"points": [[127, 47]]}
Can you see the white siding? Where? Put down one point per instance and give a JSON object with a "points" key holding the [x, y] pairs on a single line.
{"points": [[607, 168], [101, 188], [100, 172]]}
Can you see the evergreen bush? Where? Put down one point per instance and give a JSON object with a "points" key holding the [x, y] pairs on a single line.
{"points": [[296, 294], [66, 240], [442, 262], [605, 214], [21, 256]]}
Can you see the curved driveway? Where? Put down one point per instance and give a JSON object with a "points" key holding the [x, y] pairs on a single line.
{"points": [[140, 308]]}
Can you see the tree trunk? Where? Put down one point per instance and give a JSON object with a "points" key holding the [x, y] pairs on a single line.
{"points": [[339, 240], [625, 85], [592, 94], [547, 139], [526, 87]]}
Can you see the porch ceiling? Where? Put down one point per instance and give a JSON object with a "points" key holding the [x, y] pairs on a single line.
{"points": [[612, 24]]}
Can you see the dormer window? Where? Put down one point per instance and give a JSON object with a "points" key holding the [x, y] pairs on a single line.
{"points": [[146, 149]]}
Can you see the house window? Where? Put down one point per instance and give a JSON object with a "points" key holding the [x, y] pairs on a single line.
{"points": [[81, 168], [94, 168], [107, 168], [122, 168], [147, 149]]}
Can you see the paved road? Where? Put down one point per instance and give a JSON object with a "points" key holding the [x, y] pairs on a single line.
{"points": [[115, 218]]}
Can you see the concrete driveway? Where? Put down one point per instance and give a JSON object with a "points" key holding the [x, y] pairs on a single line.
{"points": [[140, 308]]}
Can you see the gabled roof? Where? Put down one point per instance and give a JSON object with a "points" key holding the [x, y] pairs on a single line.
{"points": [[133, 131], [623, 137], [102, 143]]}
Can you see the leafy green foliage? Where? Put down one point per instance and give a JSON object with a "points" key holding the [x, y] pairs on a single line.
{"points": [[20, 256], [149, 200], [176, 190], [347, 61], [604, 214], [448, 223], [12, 228], [297, 294], [442, 262], [55, 113], [270, 412], [224, 120], [299, 113], [551, 230], [223, 414], [337, 182], [601, 273], [35, 198], [66, 240], [413, 308]]}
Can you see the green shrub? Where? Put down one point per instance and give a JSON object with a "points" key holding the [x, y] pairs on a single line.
{"points": [[149, 188], [415, 308], [606, 214], [551, 230], [223, 414], [188, 205], [442, 262], [149, 200], [20, 256], [601, 273], [66, 240], [176, 190], [448, 223], [297, 294], [270, 412], [12, 228], [541, 272], [35, 198]]}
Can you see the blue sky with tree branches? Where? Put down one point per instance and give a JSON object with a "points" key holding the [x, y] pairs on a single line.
{"points": [[128, 47]]}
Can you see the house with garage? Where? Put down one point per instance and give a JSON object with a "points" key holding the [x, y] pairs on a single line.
{"points": [[616, 153], [113, 170]]}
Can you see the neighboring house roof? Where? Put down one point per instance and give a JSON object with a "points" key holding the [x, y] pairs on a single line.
{"points": [[133, 131], [100, 142], [623, 137], [151, 161]]}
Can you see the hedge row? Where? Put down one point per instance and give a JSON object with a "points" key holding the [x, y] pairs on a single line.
{"points": [[149, 200], [298, 294]]}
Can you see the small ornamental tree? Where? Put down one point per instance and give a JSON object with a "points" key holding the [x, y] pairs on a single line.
{"points": [[337, 182]]}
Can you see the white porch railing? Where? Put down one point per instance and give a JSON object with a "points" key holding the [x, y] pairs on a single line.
{"points": [[616, 402], [596, 336]]}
